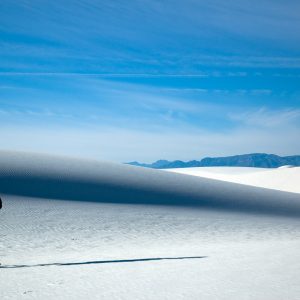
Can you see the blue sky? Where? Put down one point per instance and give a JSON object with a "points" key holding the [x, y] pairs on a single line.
{"points": [[145, 80]]}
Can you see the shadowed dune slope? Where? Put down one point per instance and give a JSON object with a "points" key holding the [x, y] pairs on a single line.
{"points": [[54, 177]]}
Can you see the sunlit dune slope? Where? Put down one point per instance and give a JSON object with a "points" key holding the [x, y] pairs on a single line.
{"points": [[283, 178]]}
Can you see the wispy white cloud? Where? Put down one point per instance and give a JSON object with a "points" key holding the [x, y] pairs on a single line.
{"points": [[261, 92], [264, 117], [129, 75], [32, 113]]}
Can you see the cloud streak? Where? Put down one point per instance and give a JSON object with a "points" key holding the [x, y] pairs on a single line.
{"points": [[264, 117]]}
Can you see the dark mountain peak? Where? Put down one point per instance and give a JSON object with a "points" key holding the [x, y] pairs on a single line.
{"points": [[262, 160]]}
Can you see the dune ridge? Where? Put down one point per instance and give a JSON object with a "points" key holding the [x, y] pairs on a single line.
{"points": [[46, 176]]}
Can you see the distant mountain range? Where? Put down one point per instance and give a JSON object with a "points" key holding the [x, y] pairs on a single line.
{"points": [[258, 160]]}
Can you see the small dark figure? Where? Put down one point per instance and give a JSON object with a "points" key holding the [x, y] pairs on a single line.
{"points": [[0, 203]]}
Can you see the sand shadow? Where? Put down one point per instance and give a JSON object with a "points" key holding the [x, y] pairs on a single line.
{"points": [[94, 262]]}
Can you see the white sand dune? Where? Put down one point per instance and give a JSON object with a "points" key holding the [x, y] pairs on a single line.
{"points": [[36, 175], [285, 178], [207, 239]]}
